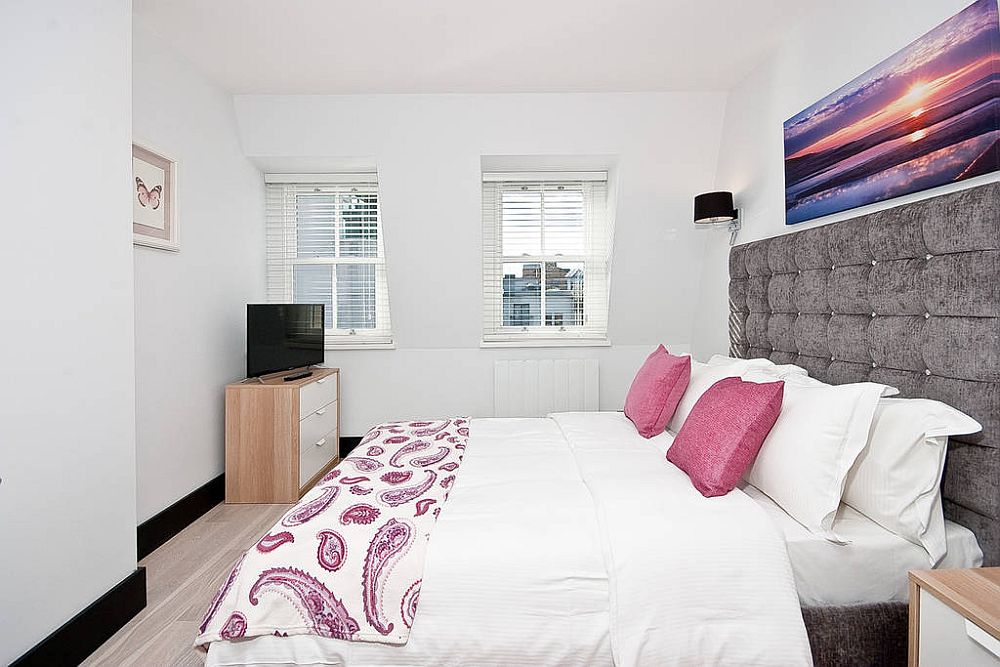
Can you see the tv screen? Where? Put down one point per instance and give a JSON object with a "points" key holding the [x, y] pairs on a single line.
{"points": [[283, 336]]}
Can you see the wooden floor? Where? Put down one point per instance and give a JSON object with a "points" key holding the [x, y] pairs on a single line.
{"points": [[181, 579]]}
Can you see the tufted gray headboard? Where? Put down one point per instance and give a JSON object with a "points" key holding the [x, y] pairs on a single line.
{"points": [[908, 297]]}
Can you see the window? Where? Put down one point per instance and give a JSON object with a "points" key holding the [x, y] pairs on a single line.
{"points": [[546, 251], [324, 245]]}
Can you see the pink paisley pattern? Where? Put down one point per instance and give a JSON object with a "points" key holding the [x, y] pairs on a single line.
{"points": [[408, 605], [385, 548], [424, 505], [303, 575], [221, 594], [430, 459], [302, 513], [432, 429], [332, 550], [364, 464], [371, 435], [235, 627], [397, 476], [360, 513], [326, 614], [402, 452], [270, 542], [354, 480], [396, 497]]}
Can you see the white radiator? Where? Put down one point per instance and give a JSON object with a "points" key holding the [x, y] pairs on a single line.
{"points": [[536, 387]]}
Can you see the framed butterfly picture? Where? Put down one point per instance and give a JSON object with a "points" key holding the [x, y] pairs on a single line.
{"points": [[154, 189]]}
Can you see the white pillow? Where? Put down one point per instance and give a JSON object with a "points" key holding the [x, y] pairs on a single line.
{"points": [[703, 376], [818, 436], [760, 363], [896, 481]]}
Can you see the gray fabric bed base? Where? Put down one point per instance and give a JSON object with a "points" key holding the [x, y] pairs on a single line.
{"points": [[851, 636]]}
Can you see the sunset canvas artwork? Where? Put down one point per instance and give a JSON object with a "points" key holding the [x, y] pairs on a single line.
{"points": [[927, 116]]}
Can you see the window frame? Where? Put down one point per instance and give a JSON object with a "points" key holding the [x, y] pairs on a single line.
{"points": [[595, 259], [282, 254]]}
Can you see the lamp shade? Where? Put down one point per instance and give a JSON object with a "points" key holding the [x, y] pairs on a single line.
{"points": [[714, 207]]}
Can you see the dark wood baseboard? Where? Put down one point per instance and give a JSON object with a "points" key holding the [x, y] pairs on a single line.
{"points": [[84, 633], [155, 531], [348, 443]]}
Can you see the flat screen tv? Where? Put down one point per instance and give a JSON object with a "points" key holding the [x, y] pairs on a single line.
{"points": [[283, 336]]}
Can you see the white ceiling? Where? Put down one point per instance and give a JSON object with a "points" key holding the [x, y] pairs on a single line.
{"points": [[450, 46]]}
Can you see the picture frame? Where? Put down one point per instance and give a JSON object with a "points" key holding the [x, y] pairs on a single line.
{"points": [[926, 117], [154, 199]]}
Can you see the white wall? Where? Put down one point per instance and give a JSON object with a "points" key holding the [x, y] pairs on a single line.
{"points": [[190, 306], [830, 47], [427, 149], [67, 499]]}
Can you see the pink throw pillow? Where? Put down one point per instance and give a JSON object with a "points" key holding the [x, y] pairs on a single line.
{"points": [[656, 391], [722, 436]]}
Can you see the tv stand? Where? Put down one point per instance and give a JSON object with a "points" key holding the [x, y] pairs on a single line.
{"points": [[282, 435]]}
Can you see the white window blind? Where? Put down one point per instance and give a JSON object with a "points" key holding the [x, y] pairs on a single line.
{"points": [[325, 245], [546, 254]]}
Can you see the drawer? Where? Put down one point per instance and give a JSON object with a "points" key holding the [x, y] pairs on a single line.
{"points": [[315, 395], [948, 639], [316, 425], [313, 457]]}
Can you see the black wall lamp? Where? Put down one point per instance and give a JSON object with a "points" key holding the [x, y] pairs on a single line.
{"points": [[715, 210]]}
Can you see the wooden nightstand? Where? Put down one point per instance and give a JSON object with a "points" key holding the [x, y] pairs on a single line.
{"points": [[955, 617]]}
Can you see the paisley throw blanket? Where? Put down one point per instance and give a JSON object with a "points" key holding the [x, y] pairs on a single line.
{"points": [[347, 561]]}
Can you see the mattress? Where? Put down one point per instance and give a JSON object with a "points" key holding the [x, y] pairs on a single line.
{"points": [[871, 567]]}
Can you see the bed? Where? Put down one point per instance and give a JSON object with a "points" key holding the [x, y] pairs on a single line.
{"points": [[569, 540]]}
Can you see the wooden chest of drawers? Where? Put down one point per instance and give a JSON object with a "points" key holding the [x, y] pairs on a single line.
{"points": [[281, 437]]}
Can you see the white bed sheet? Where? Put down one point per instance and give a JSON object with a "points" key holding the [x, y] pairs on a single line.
{"points": [[871, 567], [502, 588], [549, 608]]}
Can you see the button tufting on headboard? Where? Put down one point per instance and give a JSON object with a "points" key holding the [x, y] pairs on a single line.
{"points": [[909, 297]]}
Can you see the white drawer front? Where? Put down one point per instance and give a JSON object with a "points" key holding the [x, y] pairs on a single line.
{"points": [[944, 639], [313, 457], [316, 425], [315, 395]]}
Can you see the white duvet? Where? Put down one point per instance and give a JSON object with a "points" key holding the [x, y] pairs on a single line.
{"points": [[572, 541]]}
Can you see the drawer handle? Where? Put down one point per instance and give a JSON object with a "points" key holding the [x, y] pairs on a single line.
{"points": [[321, 442], [321, 381], [321, 411]]}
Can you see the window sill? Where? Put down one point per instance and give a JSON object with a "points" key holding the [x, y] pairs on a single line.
{"points": [[360, 346], [547, 342]]}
